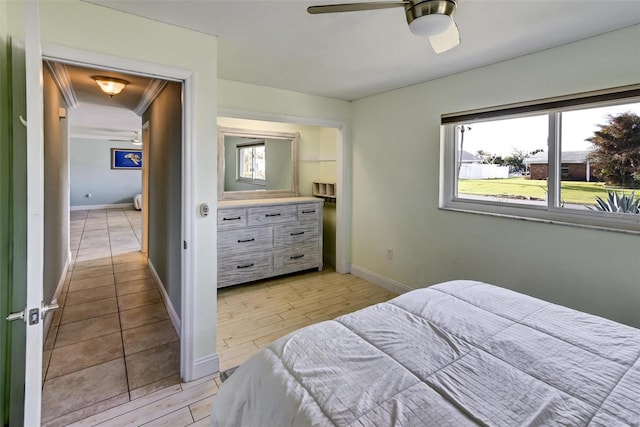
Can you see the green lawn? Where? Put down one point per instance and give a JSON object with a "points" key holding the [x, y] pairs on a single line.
{"points": [[571, 192]]}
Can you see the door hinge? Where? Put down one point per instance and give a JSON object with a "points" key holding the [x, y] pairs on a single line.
{"points": [[184, 244]]}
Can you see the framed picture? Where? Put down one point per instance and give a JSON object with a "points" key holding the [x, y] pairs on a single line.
{"points": [[123, 158]]}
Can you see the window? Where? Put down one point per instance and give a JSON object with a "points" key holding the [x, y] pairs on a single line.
{"points": [[572, 160], [251, 163]]}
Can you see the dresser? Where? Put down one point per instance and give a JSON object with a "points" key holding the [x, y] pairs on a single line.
{"points": [[269, 237]]}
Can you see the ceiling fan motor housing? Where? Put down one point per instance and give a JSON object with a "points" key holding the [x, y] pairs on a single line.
{"points": [[418, 8]]}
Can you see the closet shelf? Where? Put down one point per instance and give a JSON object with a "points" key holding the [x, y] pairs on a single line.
{"points": [[325, 190]]}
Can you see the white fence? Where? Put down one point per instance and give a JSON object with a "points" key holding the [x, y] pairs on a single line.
{"points": [[478, 171]]}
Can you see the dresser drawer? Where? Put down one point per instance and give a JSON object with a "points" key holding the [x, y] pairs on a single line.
{"points": [[245, 239], [295, 235], [288, 260], [258, 239], [229, 219], [266, 215], [244, 267], [309, 211]]}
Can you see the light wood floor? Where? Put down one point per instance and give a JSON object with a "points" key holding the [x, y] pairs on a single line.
{"points": [[249, 318]]}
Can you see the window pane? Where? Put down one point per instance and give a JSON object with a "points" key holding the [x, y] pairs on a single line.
{"points": [[600, 156], [492, 160], [260, 164], [246, 162]]}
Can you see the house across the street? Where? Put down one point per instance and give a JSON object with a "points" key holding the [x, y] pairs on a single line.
{"points": [[575, 166]]}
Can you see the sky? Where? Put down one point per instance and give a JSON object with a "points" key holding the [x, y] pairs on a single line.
{"points": [[502, 137]]}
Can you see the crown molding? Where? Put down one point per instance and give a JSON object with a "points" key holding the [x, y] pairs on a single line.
{"points": [[153, 89], [63, 81], [81, 132]]}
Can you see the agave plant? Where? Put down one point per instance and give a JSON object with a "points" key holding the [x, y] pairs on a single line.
{"points": [[619, 203]]}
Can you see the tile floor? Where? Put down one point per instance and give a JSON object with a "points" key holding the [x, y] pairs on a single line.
{"points": [[111, 341]]}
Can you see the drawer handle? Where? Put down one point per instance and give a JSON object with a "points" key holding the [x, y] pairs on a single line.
{"points": [[232, 219], [268, 215], [245, 266], [246, 240], [297, 256], [311, 211], [298, 233]]}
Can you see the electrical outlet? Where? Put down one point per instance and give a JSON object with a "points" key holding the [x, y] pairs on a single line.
{"points": [[389, 253]]}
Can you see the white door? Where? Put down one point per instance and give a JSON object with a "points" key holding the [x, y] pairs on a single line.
{"points": [[34, 311], [35, 213]]}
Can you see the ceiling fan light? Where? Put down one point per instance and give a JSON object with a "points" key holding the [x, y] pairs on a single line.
{"points": [[430, 25], [110, 85]]}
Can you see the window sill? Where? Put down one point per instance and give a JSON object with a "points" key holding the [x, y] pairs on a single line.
{"points": [[606, 222]]}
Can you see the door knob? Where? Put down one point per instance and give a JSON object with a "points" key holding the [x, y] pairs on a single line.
{"points": [[48, 307], [35, 315], [18, 315]]}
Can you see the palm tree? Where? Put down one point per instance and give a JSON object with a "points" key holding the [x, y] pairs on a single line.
{"points": [[462, 130]]}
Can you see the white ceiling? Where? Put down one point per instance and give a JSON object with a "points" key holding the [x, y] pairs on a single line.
{"points": [[352, 55]]}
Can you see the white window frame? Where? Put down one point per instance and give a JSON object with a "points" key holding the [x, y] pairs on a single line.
{"points": [[239, 177], [552, 212]]}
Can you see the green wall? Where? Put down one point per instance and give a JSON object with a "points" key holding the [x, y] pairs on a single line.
{"points": [[396, 174]]}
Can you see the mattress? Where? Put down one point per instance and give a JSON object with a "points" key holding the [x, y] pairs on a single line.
{"points": [[455, 354]]}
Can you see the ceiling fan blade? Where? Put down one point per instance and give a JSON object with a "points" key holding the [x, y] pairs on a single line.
{"points": [[446, 40], [354, 7]]}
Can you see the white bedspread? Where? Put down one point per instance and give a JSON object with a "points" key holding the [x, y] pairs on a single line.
{"points": [[455, 354]]}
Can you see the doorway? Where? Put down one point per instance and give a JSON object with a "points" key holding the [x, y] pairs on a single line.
{"points": [[270, 305], [321, 158], [113, 334]]}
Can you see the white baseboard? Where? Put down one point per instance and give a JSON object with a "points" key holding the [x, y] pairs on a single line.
{"points": [[56, 295], [207, 365], [173, 315], [379, 280], [110, 206]]}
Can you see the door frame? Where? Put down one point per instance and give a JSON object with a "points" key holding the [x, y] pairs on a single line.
{"points": [[145, 189], [187, 78], [343, 188]]}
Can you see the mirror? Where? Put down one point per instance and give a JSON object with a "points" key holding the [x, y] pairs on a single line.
{"points": [[257, 164]]}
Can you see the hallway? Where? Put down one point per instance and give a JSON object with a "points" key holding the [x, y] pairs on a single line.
{"points": [[111, 341]]}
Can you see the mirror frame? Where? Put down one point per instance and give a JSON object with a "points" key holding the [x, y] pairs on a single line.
{"points": [[257, 194]]}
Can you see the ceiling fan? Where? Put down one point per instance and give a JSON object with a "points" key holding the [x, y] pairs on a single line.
{"points": [[426, 18], [135, 140]]}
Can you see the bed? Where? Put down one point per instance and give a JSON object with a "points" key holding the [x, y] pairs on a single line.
{"points": [[454, 354]]}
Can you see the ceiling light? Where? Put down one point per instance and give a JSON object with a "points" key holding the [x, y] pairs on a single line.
{"points": [[430, 17], [110, 85], [430, 25]]}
